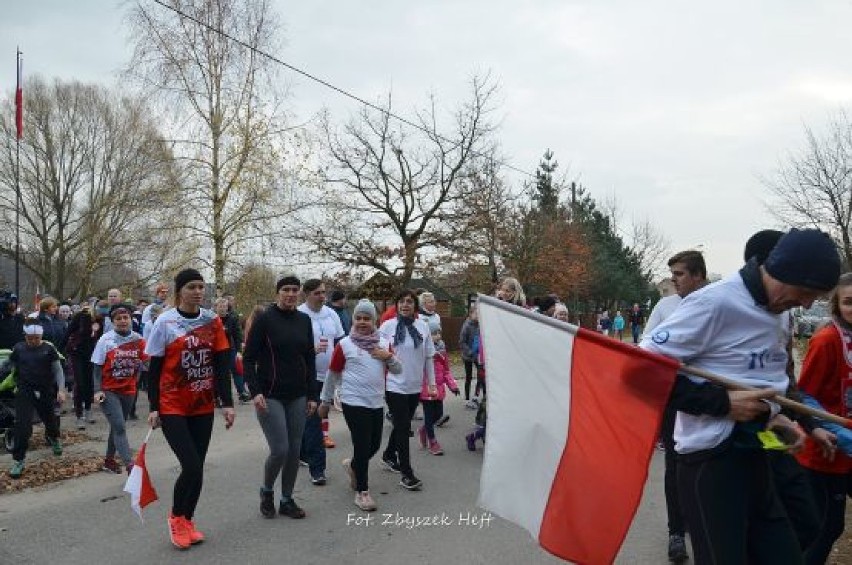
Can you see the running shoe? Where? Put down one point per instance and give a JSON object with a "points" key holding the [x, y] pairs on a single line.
{"points": [[442, 420], [267, 503], [410, 482], [365, 502], [17, 469], [471, 442], [319, 480], [390, 465], [56, 444], [195, 537], [328, 443], [435, 448], [179, 532], [677, 549], [111, 466], [290, 508]]}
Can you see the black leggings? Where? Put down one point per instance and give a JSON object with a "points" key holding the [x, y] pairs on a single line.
{"points": [[468, 376], [673, 508], [365, 427], [189, 437], [830, 491], [402, 407], [27, 401], [83, 384]]}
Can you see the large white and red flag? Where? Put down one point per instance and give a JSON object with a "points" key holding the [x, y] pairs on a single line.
{"points": [[572, 421], [19, 100], [139, 484]]}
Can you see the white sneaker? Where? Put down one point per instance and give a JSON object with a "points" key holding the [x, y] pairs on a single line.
{"points": [[365, 502], [89, 417]]}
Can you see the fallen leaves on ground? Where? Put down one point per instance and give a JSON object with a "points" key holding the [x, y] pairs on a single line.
{"points": [[50, 470], [68, 437]]}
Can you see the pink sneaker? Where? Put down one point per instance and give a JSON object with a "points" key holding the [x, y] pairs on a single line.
{"points": [[424, 441], [435, 448]]}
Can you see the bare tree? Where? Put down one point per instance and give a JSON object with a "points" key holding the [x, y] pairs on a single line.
{"points": [[228, 128], [476, 225], [814, 187], [388, 184], [91, 161]]}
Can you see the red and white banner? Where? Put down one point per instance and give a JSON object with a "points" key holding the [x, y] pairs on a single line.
{"points": [[572, 421], [142, 492]]}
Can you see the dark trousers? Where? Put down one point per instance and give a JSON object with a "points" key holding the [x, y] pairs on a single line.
{"points": [[468, 376], [830, 491], [432, 411], [313, 449], [636, 329], [732, 510], [402, 407], [27, 401], [673, 508], [365, 427], [189, 438], [793, 486], [83, 384]]}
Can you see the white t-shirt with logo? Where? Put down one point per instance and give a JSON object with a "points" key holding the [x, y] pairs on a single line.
{"points": [[326, 324], [362, 381], [719, 328]]}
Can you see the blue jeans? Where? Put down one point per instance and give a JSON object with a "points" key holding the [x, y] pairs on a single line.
{"points": [[637, 329], [313, 450]]}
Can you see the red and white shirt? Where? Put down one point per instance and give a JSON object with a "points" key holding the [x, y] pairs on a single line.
{"points": [[120, 358], [187, 346]]}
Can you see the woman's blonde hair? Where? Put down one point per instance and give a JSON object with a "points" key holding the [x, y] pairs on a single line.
{"points": [[844, 280]]}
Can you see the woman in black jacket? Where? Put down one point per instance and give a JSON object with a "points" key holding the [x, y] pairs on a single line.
{"points": [[84, 331], [279, 367]]}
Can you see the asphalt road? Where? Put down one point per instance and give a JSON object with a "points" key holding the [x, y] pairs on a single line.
{"points": [[88, 520]]}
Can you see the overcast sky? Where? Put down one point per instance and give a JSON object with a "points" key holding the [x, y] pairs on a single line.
{"points": [[678, 109]]}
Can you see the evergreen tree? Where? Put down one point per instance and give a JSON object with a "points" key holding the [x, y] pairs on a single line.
{"points": [[546, 194]]}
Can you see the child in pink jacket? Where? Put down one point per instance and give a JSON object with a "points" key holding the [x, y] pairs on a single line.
{"points": [[433, 406]]}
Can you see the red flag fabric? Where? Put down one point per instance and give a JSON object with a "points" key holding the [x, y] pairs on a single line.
{"points": [[19, 101], [142, 492], [572, 421]]}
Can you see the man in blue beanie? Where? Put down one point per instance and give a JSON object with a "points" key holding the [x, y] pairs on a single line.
{"points": [[735, 328]]}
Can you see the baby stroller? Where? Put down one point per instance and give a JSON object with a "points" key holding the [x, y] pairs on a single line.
{"points": [[7, 403]]}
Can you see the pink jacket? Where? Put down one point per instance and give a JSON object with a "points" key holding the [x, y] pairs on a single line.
{"points": [[443, 376]]}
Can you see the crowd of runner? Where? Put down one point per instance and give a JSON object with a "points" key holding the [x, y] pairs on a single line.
{"points": [[745, 481]]}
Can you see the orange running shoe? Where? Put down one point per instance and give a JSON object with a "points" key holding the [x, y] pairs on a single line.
{"points": [[195, 536], [328, 443], [179, 532]]}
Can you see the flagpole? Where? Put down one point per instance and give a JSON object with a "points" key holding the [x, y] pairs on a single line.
{"points": [[718, 379], [18, 180]]}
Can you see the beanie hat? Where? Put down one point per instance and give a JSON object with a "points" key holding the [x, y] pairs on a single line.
{"points": [[434, 325], [760, 244], [117, 308], [185, 276], [806, 258], [288, 280], [364, 306]]}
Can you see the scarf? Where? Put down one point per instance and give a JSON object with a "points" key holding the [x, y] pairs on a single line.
{"points": [[401, 323], [367, 342]]}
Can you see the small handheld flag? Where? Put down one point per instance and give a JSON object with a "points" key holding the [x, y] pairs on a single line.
{"points": [[142, 492]]}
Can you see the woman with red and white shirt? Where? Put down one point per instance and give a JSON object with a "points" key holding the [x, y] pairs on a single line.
{"points": [[189, 354], [117, 362]]}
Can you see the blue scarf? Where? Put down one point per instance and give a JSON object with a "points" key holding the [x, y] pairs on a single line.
{"points": [[401, 323]]}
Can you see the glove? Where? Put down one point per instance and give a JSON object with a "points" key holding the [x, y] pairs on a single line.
{"points": [[456, 392]]}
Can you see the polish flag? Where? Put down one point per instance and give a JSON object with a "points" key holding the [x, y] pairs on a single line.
{"points": [[138, 484], [572, 421], [19, 100]]}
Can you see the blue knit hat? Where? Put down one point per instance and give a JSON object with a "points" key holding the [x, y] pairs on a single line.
{"points": [[806, 258]]}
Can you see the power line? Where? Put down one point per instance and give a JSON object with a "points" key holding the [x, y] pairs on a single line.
{"points": [[323, 82]]}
